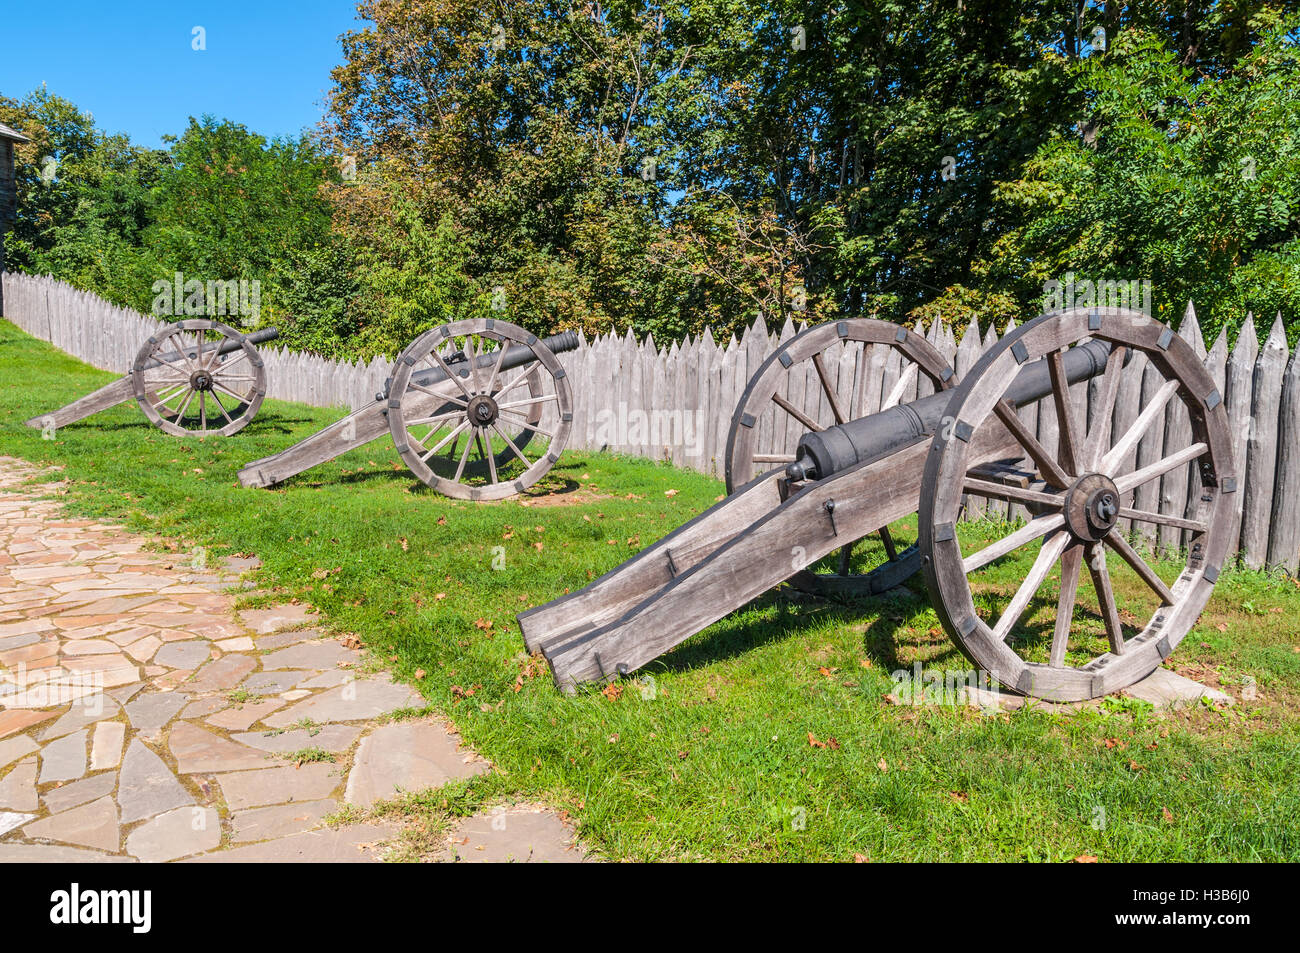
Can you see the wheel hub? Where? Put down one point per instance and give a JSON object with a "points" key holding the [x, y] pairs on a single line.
{"points": [[201, 380], [482, 411], [1092, 506]]}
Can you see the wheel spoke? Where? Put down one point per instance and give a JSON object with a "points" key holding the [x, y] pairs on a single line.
{"points": [[1116, 541], [491, 459], [1096, 556], [774, 458], [544, 398], [229, 419], [471, 348], [460, 468], [860, 382], [420, 388], [1146, 516], [1039, 526], [515, 381], [511, 444], [180, 414], [454, 435], [496, 369], [1130, 481], [524, 422], [797, 414], [887, 538], [1003, 491], [846, 553], [230, 362], [1071, 561], [905, 380], [1126, 443], [1067, 453], [1051, 472], [828, 390], [1053, 546], [1096, 442], [422, 421], [451, 375], [217, 385], [169, 393]]}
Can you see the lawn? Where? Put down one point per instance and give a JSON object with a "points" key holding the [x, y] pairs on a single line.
{"points": [[713, 756]]}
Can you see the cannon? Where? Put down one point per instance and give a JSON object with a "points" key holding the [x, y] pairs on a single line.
{"points": [[967, 439], [479, 381], [195, 378]]}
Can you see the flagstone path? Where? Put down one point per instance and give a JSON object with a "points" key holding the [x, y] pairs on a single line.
{"points": [[142, 719]]}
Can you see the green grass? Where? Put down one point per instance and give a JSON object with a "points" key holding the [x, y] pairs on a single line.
{"points": [[713, 759]]}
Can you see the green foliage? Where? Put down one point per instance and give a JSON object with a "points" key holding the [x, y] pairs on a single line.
{"points": [[663, 169], [1178, 178]]}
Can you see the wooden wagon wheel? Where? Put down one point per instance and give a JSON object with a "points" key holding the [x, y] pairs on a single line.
{"points": [[187, 387], [1092, 646], [769, 388], [495, 414]]}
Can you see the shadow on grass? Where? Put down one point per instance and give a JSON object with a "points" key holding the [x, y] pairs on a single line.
{"points": [[879, 617]]}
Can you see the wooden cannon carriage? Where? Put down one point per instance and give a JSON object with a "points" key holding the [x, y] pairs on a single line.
{"points": [[863, 475], [451, 385], [195, 378]]}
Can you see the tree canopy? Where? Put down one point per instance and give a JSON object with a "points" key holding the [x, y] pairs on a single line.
{"points": [[667, 167]]}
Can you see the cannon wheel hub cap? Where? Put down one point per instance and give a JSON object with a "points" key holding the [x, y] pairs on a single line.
{"points": [[482, 411], [1092, 506]]}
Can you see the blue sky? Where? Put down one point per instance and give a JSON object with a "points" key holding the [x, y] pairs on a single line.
{"points": [[131, 63]]}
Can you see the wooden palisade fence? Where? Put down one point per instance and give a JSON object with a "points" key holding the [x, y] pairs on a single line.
{"points": [[675, 403]]}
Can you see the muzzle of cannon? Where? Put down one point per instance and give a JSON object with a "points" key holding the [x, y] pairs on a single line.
{"points": [[463, 405], [195, 378], [884, 459]]}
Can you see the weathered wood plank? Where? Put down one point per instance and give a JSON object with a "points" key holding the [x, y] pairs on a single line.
{"points": [[1262, 468]]}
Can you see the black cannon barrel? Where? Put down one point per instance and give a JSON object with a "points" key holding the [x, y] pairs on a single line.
{"points": [[878, 435], [226, 346], [516, 356]]}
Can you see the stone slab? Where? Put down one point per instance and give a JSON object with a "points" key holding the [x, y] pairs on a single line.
{"points": [[147, 786], [149, 712], [84, 711], [65, 758], [198, 751], [179, 833], [512, 837], [264, 823], [50, 854], [222, 674], [12, 749], [267, 621], [361, 699], [1170, 691], [361, 844], [273, 683], [91, 825], [407, 756], [290, 783], [106, 745], [242, 717], [18, 787], [317, 656], [332, 738], [71, 795], [183, 655]]}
